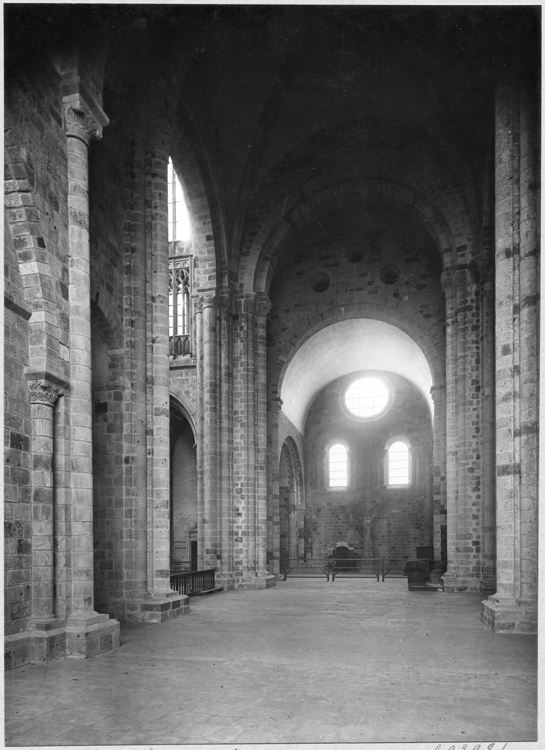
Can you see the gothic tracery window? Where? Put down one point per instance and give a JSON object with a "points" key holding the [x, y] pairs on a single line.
{"points": [[179, 313], [180, 269]]}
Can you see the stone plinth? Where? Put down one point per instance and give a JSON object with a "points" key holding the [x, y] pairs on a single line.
{"points": [[507, 617], [156, 610], [256, 582], [91, 637]]}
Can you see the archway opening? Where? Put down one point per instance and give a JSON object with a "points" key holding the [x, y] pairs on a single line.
{"points": [[183, 492]]}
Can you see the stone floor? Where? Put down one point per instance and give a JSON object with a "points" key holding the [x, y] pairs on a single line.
{"points": [[304, 662]]}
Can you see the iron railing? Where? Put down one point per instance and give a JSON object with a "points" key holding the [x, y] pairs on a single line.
{"points": [[194, 581]]}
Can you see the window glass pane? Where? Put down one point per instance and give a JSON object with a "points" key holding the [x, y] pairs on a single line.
{"points": [[338, 466], [178, 216], [398, 463], [367, 397]]}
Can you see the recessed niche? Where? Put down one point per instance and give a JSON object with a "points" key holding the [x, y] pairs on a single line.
{"points": [[353, 254], [389, 274], [320, 283]]}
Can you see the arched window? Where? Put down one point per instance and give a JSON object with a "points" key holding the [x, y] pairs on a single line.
{"points": [[337, 467], [398, 464]]}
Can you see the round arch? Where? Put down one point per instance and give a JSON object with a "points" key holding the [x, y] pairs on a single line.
{"points": [[258, 266], [346, 346]]}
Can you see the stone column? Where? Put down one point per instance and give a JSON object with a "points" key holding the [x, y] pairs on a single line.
{"points": [[158, 396], [225, 575], [514, 605], [198, 309], [488, 485], [135, 394], [250, 451], [88, 632], [211, 422], [43, 395], [439, 479], [262, 310], [462, 430], [273, 500]]}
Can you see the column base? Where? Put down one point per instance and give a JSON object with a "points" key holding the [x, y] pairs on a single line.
{"points": [[226, 580], [503, 616], [90, 633], [34, 647], [456, 582], [51, 640], [256, 582], [156, 609]]}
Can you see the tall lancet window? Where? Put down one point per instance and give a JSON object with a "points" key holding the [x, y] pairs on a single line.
{"points": [[179, 226], [180, 269]]}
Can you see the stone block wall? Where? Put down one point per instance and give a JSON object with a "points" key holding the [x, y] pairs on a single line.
{"points": [[17, 466]]}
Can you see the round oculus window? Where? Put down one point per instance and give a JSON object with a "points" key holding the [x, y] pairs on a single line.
{"points": [[367, 397]]}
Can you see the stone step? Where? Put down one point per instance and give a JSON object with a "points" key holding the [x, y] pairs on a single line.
{"points": [[208, 591]]}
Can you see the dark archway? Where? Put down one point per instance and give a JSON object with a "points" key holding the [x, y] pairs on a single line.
{"points": [[183, 490]]}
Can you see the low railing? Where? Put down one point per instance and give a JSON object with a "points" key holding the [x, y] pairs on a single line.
{"points": [[179, 345], [194, 581], [348, 567]]}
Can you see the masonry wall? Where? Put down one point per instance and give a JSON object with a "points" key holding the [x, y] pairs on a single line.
{"points": [[17, 452], [35, 283], [376, 520]]}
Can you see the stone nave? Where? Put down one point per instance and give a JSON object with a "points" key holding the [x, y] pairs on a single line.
{"points": [[271, 287]]}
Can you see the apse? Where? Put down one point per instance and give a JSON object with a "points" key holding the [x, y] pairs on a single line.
{"points": [[345, 347]]}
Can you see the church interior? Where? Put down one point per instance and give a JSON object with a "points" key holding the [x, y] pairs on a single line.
{"points": [[271, 296]]}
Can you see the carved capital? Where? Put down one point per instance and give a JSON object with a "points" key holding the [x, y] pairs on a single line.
{"points": [[203, 300], [263, 305], [79, 123], [247, 305], [44, 392]]}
